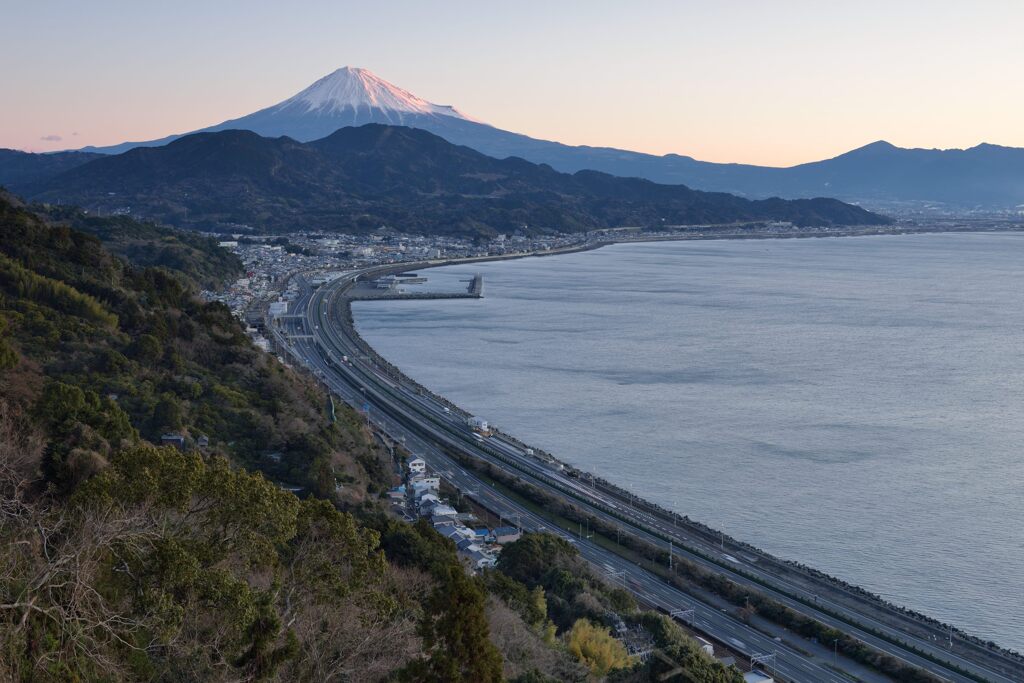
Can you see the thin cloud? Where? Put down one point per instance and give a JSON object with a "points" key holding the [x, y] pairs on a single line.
{"points": [[51, 138]]}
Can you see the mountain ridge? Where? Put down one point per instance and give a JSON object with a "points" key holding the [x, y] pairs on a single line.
{"points": [[984, 176], [18, 169], [357, 179]]}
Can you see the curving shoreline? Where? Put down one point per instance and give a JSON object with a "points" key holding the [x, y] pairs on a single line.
{"points": [[984, 651], [853, 592]]}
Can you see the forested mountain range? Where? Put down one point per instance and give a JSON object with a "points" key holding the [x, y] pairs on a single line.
{"points": [[359, 179]]}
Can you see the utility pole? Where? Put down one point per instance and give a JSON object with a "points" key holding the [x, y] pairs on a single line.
{"points": [[835, 652], [670, 556], [766, 660]]}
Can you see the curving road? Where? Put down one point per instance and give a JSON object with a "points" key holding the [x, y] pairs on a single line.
{"points": [[427, 428]]}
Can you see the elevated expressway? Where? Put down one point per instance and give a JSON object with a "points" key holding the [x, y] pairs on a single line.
{"points": [[314, 335]]}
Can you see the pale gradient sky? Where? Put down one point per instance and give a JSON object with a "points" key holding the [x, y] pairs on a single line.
{"points": [[763, 82]]}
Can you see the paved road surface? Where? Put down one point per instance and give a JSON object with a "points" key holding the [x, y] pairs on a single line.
{"points": [[427, 429]]}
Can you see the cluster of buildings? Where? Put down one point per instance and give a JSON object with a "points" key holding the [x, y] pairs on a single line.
{"points": [[393, 247], [270, 260], [477, 545]]}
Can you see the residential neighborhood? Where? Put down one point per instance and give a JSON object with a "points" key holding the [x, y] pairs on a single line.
{"points": [[420, 497]]}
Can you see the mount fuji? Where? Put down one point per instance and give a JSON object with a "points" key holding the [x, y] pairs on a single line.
{"points": [[879, 174], [347, 97]]}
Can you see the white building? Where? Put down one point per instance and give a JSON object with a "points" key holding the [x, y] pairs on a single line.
{"points": [[478, 558], [420, 494], [442, 510], [426, 504], [417, 465], [506, 534], [757, 677], [423, 482]]}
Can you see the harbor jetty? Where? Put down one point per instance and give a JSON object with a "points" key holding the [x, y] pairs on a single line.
{"points": [[389, 287]]}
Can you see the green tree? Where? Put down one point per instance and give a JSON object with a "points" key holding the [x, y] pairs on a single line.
{"points": [[530, 604], [534, 676], [532, 556], [264, 655], [147, 349], [8, 357], [456, 636], [683, 652], [167, 413], [60, 404]]}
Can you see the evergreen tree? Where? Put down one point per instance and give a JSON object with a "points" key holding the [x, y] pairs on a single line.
{"points": [[456, 636]]}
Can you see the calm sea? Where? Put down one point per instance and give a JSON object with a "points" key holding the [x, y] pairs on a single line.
{"points": [[854, 403]]}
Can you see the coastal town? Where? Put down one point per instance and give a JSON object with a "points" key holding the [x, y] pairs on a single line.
{"points": [[270, 260]]}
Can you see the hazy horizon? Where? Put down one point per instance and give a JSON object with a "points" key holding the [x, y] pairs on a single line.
{"points": [[739, 82]]}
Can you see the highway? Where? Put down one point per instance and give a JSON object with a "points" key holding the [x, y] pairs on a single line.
{"points": [[314, 337]]}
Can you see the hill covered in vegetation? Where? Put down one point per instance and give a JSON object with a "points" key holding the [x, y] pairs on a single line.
{"points": [[358, 179], [147, 244], [129, 561], [20, 170]]}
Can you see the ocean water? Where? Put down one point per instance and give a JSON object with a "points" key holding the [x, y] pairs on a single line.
{"points": [[853, 403]]}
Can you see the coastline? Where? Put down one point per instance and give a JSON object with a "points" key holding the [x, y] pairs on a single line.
{"points": [[857, 231], [609, 487]]}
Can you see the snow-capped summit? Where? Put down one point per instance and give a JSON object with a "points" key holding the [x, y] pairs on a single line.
{"points": [[351, 89], [348, 96]]}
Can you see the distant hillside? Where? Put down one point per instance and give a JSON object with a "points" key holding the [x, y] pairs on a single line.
{"points": [[20, 170], [985, 176], [358, 179], [146, 244]]}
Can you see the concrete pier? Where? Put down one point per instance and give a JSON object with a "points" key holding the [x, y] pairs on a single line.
{"points": [[369, 291]]}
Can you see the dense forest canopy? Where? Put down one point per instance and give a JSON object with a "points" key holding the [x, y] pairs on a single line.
{"points": [[130, 561]]}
